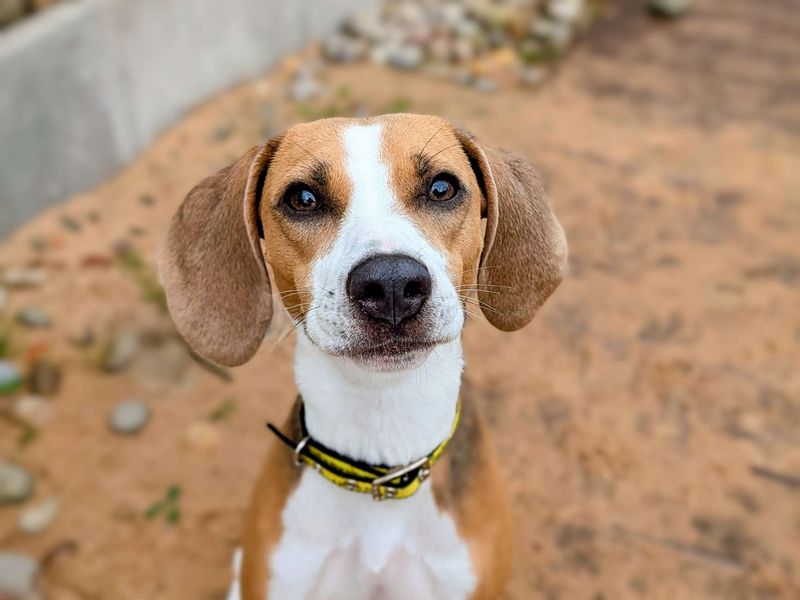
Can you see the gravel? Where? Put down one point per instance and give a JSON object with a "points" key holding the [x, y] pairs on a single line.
{"points": [[16, 484], [35, 519], [129, 417], [18, 573]]}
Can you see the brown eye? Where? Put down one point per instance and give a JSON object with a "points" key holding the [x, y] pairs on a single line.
{"points": [[443, 188], [302, 199]]}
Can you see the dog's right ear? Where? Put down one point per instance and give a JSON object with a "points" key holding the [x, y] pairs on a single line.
{"points": [[212, 266]]}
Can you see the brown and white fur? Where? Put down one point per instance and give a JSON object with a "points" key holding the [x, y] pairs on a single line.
{"points": [[376, 390]]}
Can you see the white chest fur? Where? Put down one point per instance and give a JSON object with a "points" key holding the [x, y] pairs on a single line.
{"points": [[341, 545], [338, 545]]}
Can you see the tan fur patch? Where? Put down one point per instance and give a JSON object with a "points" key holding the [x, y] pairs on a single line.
{"points": [[311, 154], [263, 528], [468, 485], [416, 148]]}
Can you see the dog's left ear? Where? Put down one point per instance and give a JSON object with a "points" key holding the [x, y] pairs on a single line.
{"points": [[524, 253], [212, 266]]}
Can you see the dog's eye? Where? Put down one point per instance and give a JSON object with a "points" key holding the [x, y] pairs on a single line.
{"points": [[443, 188], [302, 199]]}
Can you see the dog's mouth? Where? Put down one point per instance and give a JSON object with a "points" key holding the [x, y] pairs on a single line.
{"points": [[393, 355]]}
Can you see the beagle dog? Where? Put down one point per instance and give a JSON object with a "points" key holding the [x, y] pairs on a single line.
{"points": [[380, 234]]}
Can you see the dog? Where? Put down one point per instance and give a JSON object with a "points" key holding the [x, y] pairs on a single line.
{"points": [[380, 234]]}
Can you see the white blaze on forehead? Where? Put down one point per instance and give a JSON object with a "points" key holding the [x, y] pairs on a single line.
{"points": [[373, 202], [375, 222]]}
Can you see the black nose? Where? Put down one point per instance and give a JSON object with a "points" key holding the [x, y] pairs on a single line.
{"points": [[389, 287]]}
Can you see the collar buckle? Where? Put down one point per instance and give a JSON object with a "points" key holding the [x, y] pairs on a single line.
{"points": [[380, 491]]}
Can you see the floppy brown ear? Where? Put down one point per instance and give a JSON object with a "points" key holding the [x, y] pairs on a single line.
{"points": [[524, 253], [212, 266]]}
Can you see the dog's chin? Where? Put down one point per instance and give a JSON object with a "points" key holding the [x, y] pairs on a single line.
{"points": [[385, 360]]}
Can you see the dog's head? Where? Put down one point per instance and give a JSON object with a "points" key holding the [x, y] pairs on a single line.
{"points": [[381, 234]]}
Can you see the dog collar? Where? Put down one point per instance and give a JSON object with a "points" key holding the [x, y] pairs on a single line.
{"points": [[381, 481]]}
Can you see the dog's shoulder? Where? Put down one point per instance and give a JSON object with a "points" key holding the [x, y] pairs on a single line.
{"points": [[468, 485]]}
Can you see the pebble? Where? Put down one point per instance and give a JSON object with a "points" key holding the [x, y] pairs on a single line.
{"points": [[33, 316], [568, 11], [10, 377], [45, 378], [121, 351], [531, 76], [21, 277], [129, 417], [304, 87], [70, 224], [344, 49], [404, 56], [16, 484], [222, 132], [485, 85], [39, 517], [33, 410], [555, 33], [202, 436], [18, 573], [84, 338], [670, 9]]}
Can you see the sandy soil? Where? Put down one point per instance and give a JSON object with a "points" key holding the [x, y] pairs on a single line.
{"points": [[649, 418]]}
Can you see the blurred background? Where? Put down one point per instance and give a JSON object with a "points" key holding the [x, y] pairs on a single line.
{"points": [[648, 419]]}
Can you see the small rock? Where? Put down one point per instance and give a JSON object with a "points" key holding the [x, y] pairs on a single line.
{"points": [[531, 76], [343, 49], [121, 351], [21, 277], [464, 77], [45, 378], [463, 50], [366, 25], [33, 410], [122, 248], [129, 417], [202, 436], [568, 11], [11, 10], [16, 484], [91, 261], [10, 377], [669, 9], [147, 200], [555, 33], [3, 299], [39, 517], [222, 133], [84, 338], [404, 56], [32, 316], [485, 85], [304, 87], [39, 244], [441, 49], [18, 573], [70, 224]]}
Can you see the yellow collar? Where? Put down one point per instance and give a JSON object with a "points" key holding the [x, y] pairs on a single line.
{"points": [[357, 476]]}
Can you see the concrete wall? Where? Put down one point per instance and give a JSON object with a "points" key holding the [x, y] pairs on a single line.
{"points": [[87, 85]]}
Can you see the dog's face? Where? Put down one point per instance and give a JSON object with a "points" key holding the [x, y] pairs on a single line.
{"points": [[373, 231], [381, 234]]}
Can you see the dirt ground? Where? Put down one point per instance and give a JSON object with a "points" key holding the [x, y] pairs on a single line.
{"points": [[648, 419]]}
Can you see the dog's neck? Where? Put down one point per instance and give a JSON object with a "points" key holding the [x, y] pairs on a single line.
{"points": [[381, 418]]}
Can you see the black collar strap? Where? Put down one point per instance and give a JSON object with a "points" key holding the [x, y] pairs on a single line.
{"points": [[357, 476]]}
